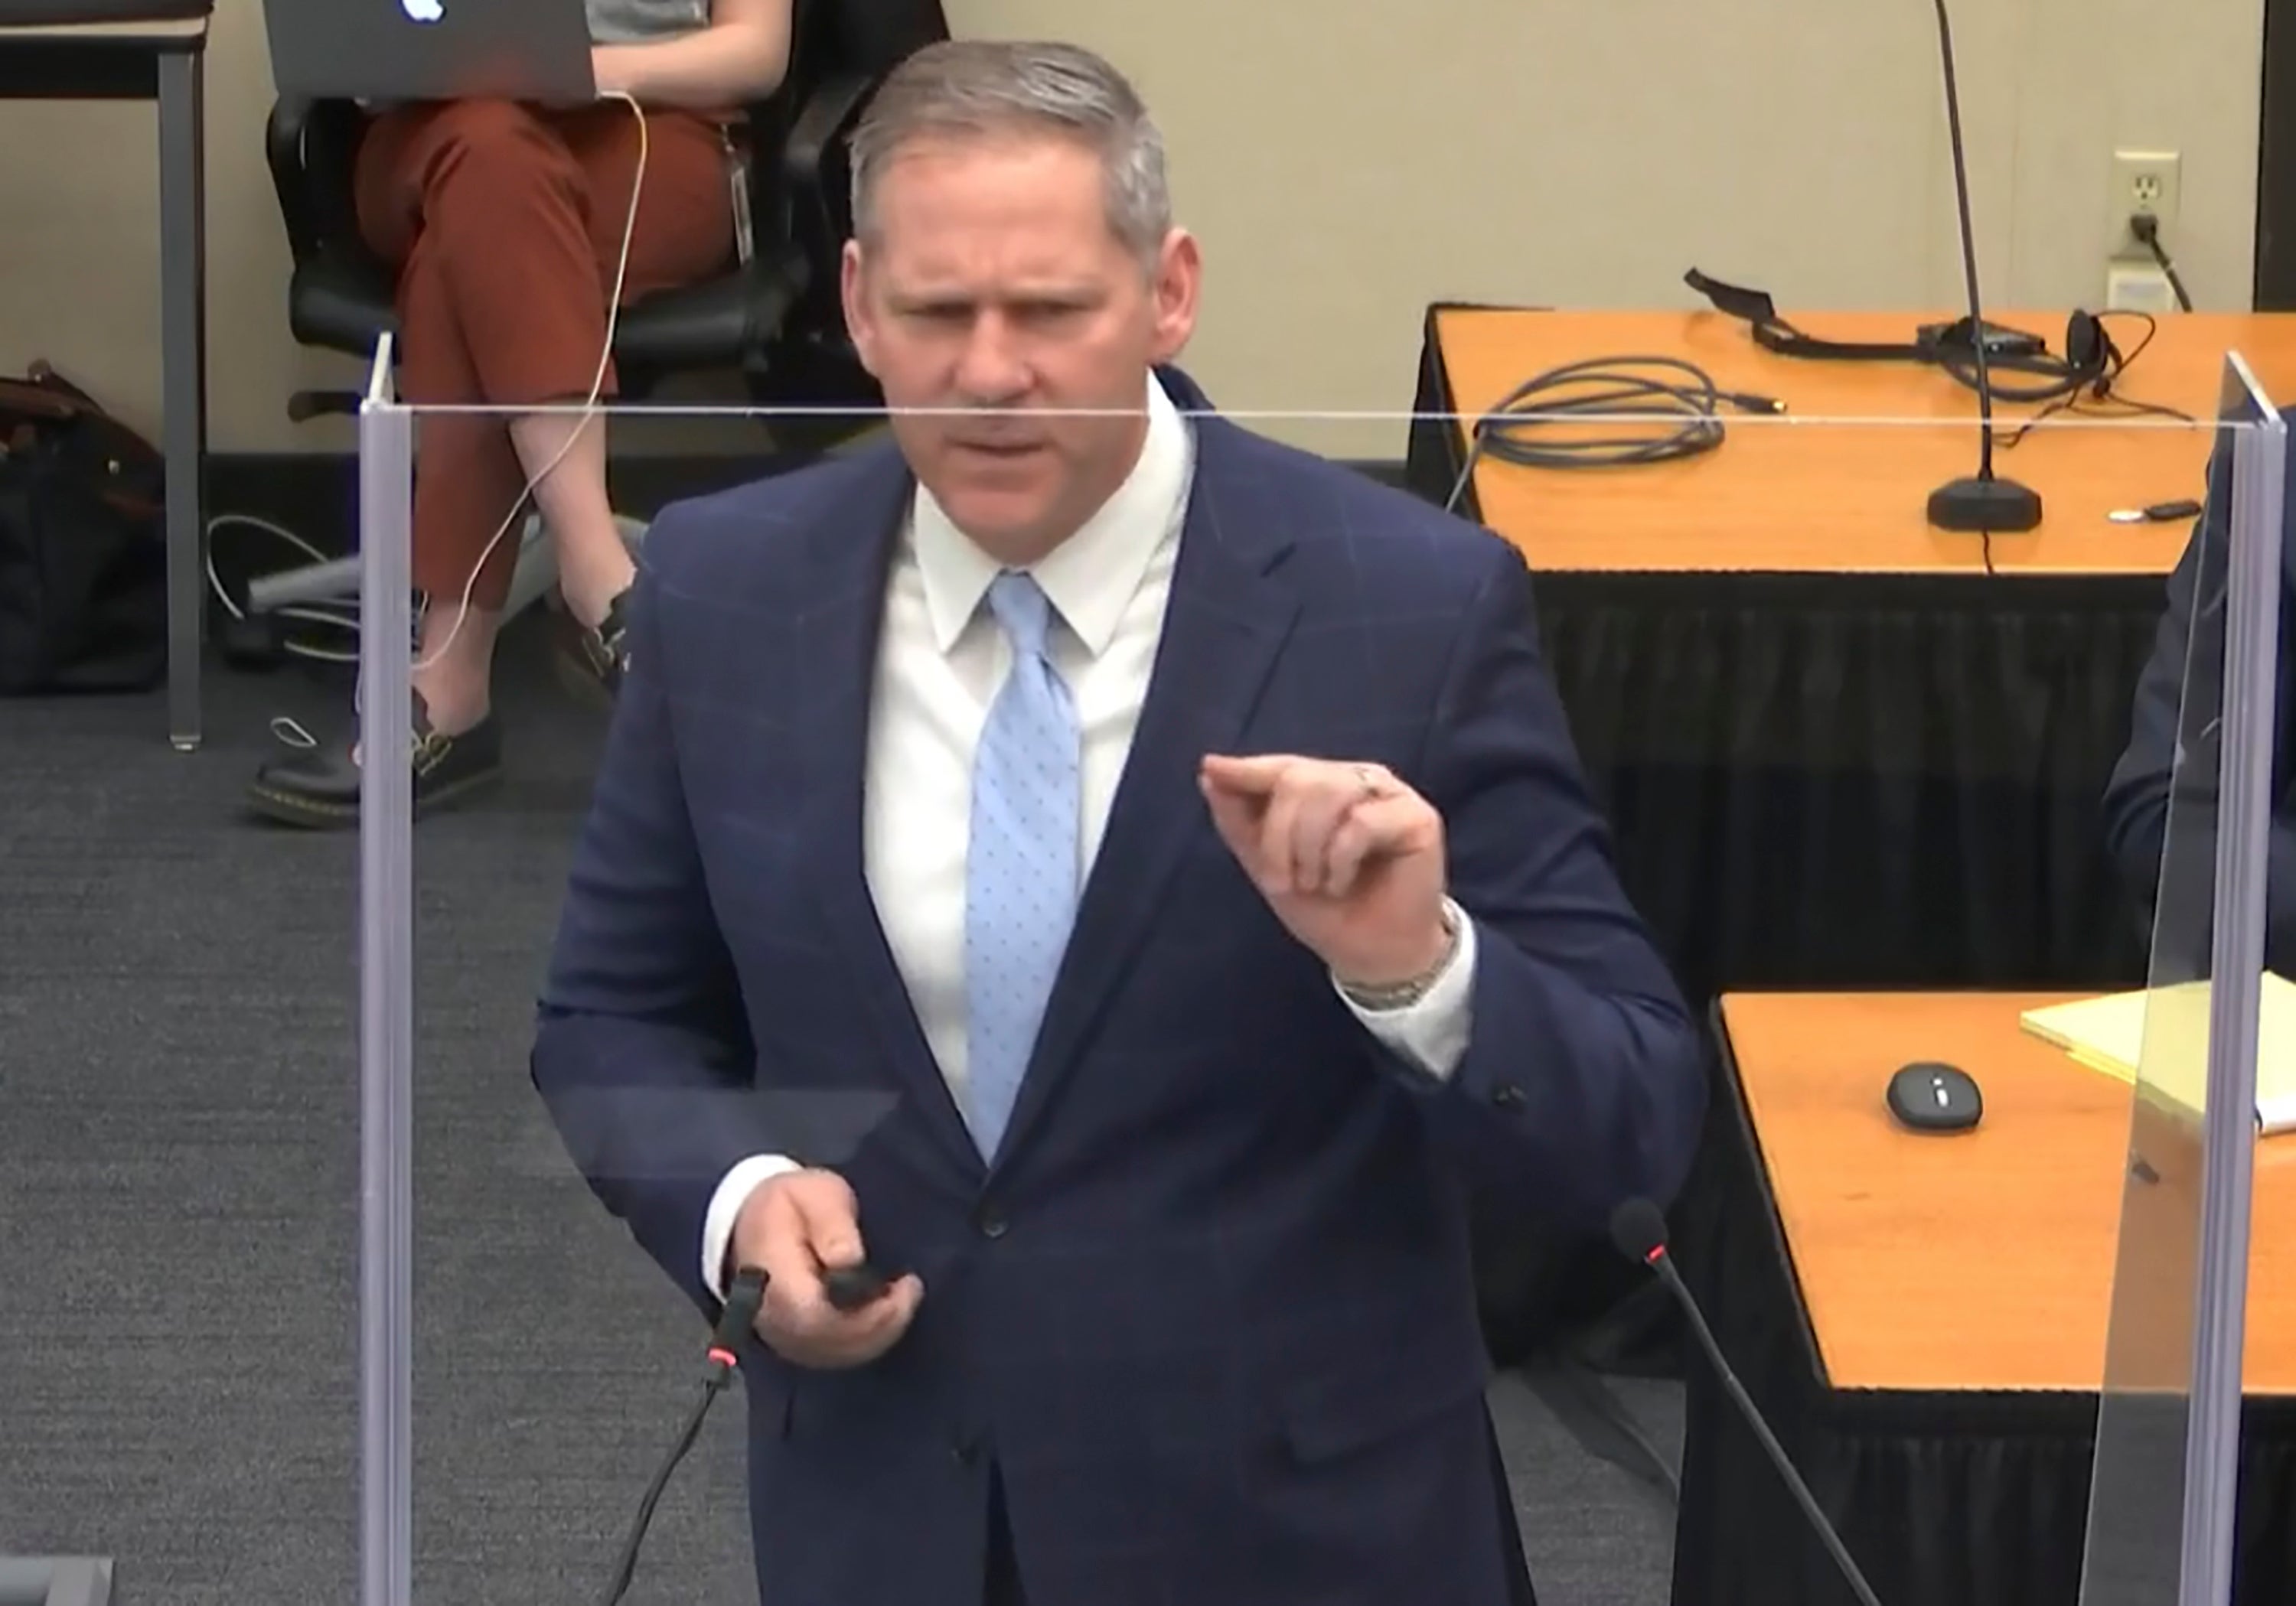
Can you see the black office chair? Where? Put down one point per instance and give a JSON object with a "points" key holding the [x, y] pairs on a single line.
{"points": [[776, 319]]}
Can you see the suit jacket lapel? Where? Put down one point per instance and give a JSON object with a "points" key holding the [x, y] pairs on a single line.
{"points": [[838, 630], [1229, 614]]}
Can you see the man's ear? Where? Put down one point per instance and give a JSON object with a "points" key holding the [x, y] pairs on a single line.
{"points": [[1174, 289], [853, 291]]}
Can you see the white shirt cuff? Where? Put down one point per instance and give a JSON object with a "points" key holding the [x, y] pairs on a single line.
{"points": [[725, 1210], [1432, 1030]]}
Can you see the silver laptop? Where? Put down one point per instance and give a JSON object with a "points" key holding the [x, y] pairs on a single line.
{"points": [[432, 50]]}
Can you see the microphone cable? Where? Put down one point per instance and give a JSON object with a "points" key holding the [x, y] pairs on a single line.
{"points": [[742, 1301], [1647, 390], [2096, 398]]}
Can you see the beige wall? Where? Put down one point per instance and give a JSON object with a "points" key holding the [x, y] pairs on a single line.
{"points": [[1586, 155]]}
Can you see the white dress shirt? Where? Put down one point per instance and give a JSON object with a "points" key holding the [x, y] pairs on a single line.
{"points": [[940, 661]]}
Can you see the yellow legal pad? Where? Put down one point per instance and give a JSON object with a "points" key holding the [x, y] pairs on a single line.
{"points": [[2166, 1030]]}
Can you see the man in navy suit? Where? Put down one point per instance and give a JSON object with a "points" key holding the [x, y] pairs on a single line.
{"points": [[2137, 800], [1131, 879]]}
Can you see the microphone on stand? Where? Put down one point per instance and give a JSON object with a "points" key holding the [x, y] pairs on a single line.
{"points": [[734, 1321], [1639, 1231], [1980, 503]]}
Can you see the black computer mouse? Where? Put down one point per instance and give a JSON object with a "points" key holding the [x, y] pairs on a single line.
{"points": [[1931, 1096]]}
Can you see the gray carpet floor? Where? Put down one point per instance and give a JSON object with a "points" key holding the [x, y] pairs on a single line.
{"points": [[179, 1204]]}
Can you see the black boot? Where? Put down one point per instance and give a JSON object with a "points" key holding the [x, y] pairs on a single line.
{"points": [[319, 786], [592, 661]]}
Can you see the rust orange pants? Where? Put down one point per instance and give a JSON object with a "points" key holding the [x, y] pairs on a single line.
{"points": [[506, 223]]}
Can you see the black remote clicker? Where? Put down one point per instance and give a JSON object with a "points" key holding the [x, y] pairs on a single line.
{"points": [[850, 1287]]}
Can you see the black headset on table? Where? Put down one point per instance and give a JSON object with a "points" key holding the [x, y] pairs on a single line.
{"points": [[2090, 364]]}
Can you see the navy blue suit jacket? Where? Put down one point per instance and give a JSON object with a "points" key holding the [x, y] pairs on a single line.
{"points": [[2137, 798], [1209, 1313]]}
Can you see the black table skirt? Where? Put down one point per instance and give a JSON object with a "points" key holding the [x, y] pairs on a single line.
{"points": [[1849, 781], [1943, 1499]]}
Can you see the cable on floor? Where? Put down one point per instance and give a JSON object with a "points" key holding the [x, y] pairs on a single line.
{"points": [[342, 616]]}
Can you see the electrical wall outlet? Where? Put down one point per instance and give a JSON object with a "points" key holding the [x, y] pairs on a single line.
{"points": [[2143, 182]]}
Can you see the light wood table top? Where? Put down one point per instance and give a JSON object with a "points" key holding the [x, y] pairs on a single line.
{"points": [[1846, 498], [1979, 1260]]}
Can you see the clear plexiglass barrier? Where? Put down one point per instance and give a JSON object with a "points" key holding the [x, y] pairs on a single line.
{"points": [[2167, 1474]]}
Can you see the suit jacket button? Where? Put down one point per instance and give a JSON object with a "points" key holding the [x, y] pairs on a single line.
{"points": [[965, 1452], [1508, 1097], [990, 1221]]}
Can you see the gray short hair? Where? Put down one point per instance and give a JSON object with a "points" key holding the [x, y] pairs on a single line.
{"points": [[981, 87]]}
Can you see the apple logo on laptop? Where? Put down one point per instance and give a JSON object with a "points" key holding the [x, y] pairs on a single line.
{"points": [[422, 11]]}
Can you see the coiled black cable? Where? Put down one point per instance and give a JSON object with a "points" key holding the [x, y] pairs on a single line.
{"points": [[1650, 391]]}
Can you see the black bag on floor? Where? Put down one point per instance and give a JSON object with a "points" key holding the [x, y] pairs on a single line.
{"points": [[83, 548]]}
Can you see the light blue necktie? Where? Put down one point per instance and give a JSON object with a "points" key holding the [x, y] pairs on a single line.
{"points": [[1020, 867]]}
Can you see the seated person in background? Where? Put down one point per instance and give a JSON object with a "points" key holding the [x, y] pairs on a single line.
{"points": [[507, 224], [2137, 800]]}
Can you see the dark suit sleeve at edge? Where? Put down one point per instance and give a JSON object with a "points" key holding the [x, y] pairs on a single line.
{"points": [[2280, 897], [642, 1051], [2136, 799], [1583, 1081]]}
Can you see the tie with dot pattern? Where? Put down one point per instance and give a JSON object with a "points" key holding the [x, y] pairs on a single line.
{"points": [[1020, 867]]}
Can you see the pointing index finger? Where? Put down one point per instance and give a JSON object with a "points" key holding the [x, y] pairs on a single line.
{"points": [[1255, 776]]}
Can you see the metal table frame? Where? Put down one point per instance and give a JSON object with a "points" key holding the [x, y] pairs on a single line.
{"points": [[163, 61]]}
